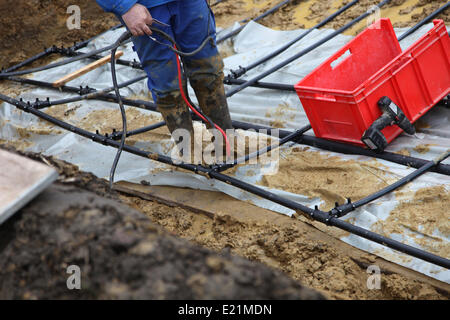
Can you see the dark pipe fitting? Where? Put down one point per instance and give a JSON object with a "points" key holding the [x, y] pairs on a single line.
{"points": [[239, 72]]}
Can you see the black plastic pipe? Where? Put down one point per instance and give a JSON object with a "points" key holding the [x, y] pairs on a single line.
{"points": [[229, 80], [335, 222], [116, 135], [424, 21], [290, 137], [342, 210], [54, 49], [265, 14], [242, 70], [349, 148], [103, 97], [4, 75], [304, 139], [303, 52], [313, 213], [91, 95], [217, 2], [30, 60], [26, 107]]}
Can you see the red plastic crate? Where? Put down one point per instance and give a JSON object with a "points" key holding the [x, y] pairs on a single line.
{"points": [[340, 96]]}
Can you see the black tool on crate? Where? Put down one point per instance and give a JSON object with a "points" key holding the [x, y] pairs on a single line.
{"points": [[373, 138]]}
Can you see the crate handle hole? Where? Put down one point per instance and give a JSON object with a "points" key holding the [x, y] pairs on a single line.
{"points": [[339, 60], [325, 97]]}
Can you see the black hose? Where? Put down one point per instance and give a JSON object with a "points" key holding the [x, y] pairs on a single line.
{"points": [[303, 52], [180, 53], [38, 56], [324, 144], [332, 221]]}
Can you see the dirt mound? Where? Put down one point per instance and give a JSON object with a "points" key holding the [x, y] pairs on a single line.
{"points": [[121, 254], [286, 244], [26, 27]]}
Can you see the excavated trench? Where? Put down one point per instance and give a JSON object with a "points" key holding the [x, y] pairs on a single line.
{"points": [[300, 250]]}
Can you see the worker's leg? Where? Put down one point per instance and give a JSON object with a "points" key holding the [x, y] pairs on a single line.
{"points": [[192, 23], [160, 65]]}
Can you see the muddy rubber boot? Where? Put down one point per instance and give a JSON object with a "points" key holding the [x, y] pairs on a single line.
{"points": [[206, 78], [177, 116]]}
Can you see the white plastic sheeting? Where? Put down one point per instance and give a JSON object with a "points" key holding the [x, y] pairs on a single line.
{"points": [[250, 105]]}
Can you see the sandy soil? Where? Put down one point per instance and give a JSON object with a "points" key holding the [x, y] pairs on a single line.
{"points": [[330, 178]]}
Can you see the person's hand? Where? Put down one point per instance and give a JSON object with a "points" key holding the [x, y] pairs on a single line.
{"points": [[137, 19]]}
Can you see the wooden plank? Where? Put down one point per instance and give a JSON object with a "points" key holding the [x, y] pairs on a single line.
{"points": [[86, 69], [21, 179]]}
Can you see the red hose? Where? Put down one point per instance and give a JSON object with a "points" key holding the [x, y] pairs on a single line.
{"points": [[183, 95]]}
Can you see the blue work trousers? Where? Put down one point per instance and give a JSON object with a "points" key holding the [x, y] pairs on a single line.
{"points": [[190, 21]]}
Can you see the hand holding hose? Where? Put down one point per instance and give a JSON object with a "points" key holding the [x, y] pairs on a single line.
{"points": [[138, 19]]}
